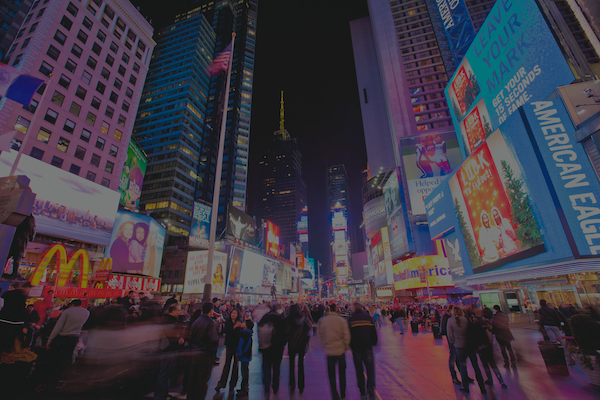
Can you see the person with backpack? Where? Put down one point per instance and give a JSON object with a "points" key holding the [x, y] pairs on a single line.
{"points": [[460, 335], [335, 338], [232, 328], [297, 328], [271, 341], [244, 354]]}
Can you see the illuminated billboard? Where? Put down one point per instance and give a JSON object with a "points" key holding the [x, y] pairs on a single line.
{"points": [[196, 268], [396, 216], [240, 225], [422, 272], [200, 232], [513, 60], [300, 260], [258, 270], [302, 226], [136, 245], [132, 177], [272, 239], [66, 205], [338, 222], [428, 159], [458, 26]]}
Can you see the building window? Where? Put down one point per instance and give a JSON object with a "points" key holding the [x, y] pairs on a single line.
{"points": [[80, 152], [100, 87], [71, 65], [125, 58], [21, 32], [129, 92], [45, 68], [28, 19], [36, 153], [90, 176], [104, 127], [136, 68], [72, 9], [58, 98], [63, 144], [91, 62], [87, 23], [86, 77], [114, 97], [44, 135], [118, 135], [64, 81], [40, 13], [60, 37], [95, 161], [105, 182], [125, 106], [26, 43], [74, 169], [105, 73], [113, 150], [57, 162], [92, 9], [51, 116], [122, 120], [33, 28], [81, 92], [53, 52], [109, 112], [121, 70], [76, 50], [75, 109], [96, 102], [100, 143], [18, 59], [96, 48], [82, 36], [101, 35], [132, 79], [90, 119], [22, 124], [85, 135], [32, 106], [66, 22], [114, 48], [110, 166], [69, 126], [118, 84], [110, 60]]}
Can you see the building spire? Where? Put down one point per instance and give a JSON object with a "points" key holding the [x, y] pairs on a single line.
{"points": [[281, 119]]}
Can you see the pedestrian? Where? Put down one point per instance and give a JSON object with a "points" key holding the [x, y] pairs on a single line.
{"points": [[204, 342], [231, 329], [169, 345], [452, 360], [501, 329], [457, 334], [398, 318], [297, 328], [271, 342], [335, 338], [244, 354], [363, 336], [482, 343], [315, 316], [550, 320]]}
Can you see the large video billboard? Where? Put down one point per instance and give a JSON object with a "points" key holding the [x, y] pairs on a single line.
{"points": [[396, 216], [272, 239], [66, 205], [132, 177], [200, 232], [196, 268], [258, 270], [513, 60], [240, 225], [136, 245], [428, 159], [458, 25]]}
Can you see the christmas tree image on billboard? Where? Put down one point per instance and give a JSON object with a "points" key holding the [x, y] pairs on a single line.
{"points": [[472, 249]]}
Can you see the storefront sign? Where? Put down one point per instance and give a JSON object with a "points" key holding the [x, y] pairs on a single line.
{"points": [[91, 293], [63, 264]]}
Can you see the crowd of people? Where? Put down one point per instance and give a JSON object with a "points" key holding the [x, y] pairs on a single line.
{"points": [[185, 339]]}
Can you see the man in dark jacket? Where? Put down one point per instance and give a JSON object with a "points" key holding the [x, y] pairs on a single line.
{"points": [[169, 343], [363, 336], [551, 320], [297, 329], [204, 342], [501, 329], [272, 324], [452, 360]]}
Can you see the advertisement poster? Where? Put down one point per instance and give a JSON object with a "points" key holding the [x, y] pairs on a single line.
{"points": [[300, 260], [419, 272], [66, 205], [427, 160], [235, 267], [200, 232], [195, 271], [458, 26], [132, 177], [258, 271], [493, 207], [513, 60], [272, 239], [136, 245], [240, 225], [452, 248], [476, 127], [395, 216]]}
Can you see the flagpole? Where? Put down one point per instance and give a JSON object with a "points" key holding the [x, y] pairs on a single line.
{"points": [[30, 128], [206, 296]]}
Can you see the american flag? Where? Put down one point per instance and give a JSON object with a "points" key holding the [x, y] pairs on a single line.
{"points": [[221, 62]]}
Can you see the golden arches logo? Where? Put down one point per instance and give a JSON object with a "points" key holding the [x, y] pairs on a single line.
{"points": [[64, 265]]}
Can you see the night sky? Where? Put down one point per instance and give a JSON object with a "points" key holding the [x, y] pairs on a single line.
{"points": [[303, 48]]}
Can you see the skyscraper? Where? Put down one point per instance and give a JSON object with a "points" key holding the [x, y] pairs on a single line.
{"points": [[98, 53], [12, 14], [282, 189], [338, 203]]}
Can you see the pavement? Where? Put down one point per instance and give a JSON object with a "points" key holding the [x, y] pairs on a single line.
{"points": [[411, 366]]}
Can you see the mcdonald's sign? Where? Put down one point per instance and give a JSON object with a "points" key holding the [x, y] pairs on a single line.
{"points": [[64, 265], [103, 270]]}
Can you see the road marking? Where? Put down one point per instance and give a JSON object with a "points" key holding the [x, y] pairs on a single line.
{"points": [[375, 390]]}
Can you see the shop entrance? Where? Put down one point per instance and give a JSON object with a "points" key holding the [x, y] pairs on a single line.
{"points": [[512, 300], [557, 297]]}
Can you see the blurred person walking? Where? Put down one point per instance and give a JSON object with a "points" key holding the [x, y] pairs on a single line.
{"points": [[204, 342], [297, 328], [501, 329], [271, 341], [452, 359], [231, 329], [363, 334], [550, 320], [169, 344], [482, 343], [244, 354], [335, 338]]}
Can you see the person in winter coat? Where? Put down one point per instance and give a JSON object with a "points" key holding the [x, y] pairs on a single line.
{"points": [[452, 360], [483, 346], [363, 336], [244, 354], [335, 338], [297, 327], [457, 335], [500, 328], [271, 338], [232, 328], [551, 320]]}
